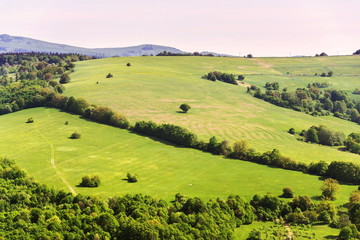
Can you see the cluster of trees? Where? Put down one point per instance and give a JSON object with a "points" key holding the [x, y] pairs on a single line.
{"points": [[79, 106], [356, 52], [341, 171], [34, 211], [352, 143], [36, 66], [312, 101], [168, 132], [319, 85], [90, 181], [272, 86], [223, 77], [29, 78], [324, 135], [166, 53], [329, 74]]}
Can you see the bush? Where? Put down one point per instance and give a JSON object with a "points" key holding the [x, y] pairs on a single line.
{"points": [[75, 135], [65, 78], [128, 64], [288, 193], [109, 75], [90, 181], [30, 120], [185, 107], [291, 131], [132, 178]]}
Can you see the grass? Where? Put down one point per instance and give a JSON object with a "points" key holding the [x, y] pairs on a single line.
{"points": [[43, 148], [154, 87]]}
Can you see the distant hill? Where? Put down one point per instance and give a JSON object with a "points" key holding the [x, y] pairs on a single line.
{"points": [[22, 44]]}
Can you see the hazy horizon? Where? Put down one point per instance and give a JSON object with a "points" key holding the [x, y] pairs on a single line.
{"points": [[262, 28]]}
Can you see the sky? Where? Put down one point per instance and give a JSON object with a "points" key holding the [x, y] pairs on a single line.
{"points": [[236, 27]]}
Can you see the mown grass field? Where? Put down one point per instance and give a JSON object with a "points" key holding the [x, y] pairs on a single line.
{"points": [[44, 150], [154, 87]]}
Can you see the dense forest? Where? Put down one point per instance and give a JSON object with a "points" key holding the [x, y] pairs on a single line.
{"points": [[27, 78]]}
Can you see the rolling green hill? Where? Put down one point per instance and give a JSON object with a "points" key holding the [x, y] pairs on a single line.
{"points": [[154, 87], [44, 150]]}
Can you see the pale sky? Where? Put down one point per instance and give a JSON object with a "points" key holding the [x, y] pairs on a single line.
{"points": [[260, 27]]}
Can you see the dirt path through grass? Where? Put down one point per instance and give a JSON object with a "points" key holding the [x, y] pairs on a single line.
{"points": [[52, 161]]}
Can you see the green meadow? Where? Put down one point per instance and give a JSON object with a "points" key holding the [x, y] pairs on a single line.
{"points": [[46, 152], [154, 87]]}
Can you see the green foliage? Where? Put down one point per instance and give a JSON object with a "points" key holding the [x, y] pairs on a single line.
{"points": [[90, 181], [132, 178], [185, 107], [330, 188], [75, 135], [272, 86], [319, 85], [344, 171], [325, 136], [223, 77], [291, 131], [269, 207], [128, 64], [319, 168], [64, 78], [352, 143], [30, 120], [168, 132], [288, 192]]}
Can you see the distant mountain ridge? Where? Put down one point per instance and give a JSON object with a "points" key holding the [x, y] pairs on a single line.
{"points": [[22, 44]]}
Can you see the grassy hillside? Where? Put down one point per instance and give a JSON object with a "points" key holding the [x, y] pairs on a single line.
{"points": [[44, 150], [154, 87]]}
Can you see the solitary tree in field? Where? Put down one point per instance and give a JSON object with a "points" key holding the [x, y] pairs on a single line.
{"points": [[330, 188], [185, 107], [128, 64], [75, 135]]}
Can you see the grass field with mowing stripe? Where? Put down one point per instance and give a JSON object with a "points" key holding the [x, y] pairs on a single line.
{"points": [[154, 87], [44, 150]]}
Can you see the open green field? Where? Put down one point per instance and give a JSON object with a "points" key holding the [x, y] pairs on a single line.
{"points": [[154, 87], [44, 150]]}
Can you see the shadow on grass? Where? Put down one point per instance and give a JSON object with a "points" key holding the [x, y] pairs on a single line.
{"points": [[331, 237], [316, 198], [181, 112], [81, 186]]}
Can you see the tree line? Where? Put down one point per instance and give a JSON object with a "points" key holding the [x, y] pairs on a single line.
{"points": [[311, 100], [223, 77], [328, 137], [166, 53]]}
